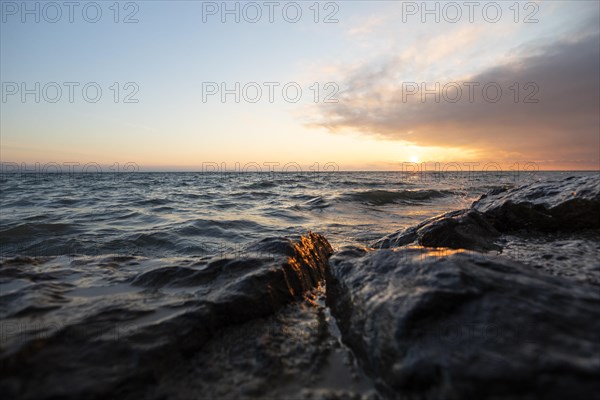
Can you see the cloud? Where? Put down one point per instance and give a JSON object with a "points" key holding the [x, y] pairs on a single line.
{"points": [[564, 123], [367, 26]]}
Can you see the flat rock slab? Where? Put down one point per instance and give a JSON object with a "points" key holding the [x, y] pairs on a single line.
{"points": [[451, 325]]}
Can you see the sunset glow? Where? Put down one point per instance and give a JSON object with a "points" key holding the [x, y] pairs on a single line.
{"points": [[382, 83]]}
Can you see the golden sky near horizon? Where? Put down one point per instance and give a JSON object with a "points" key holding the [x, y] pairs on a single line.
{"points": [[381, 84]]}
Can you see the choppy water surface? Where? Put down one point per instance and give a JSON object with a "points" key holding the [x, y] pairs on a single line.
{"points": [[189, 214]]}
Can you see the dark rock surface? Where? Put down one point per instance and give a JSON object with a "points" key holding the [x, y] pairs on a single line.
{"points": [[295, 353], [568, 205], [565, 254], [80, 354], [466, 229], [445, 324]]}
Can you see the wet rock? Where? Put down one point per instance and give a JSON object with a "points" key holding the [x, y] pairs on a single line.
{"points": [[466, 229], [452, 325], [126, 346], [566, 205], [567, 254], [292, 354]]}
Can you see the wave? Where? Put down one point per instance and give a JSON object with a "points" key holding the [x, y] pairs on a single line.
{"points": [[261, 185], [24, 202], [153, 202], [313, 203], [383, 197], [64, 202], [154, 242], [206, 232], [195, 196], [29, 229], [256, 195], [367, 184]]}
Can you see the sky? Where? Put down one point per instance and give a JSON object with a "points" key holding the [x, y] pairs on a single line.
{"points": [[175, 85]]}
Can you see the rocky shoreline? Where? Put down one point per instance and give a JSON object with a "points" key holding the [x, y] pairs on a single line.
{"points": [[467, 322], [498, 301]]}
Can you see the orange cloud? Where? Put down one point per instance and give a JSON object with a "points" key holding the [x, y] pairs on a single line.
{"points": [[547, 110]]}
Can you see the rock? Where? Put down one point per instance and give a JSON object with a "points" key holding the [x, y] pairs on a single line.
{"points": [[567, 205], [466, 229], [572, 204], [100, 361], [567, 254], [446, 324], [291, 354]]}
